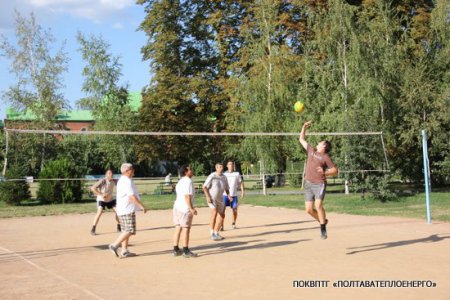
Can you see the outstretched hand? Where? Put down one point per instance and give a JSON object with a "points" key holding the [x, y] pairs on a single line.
{"points": [[307, 124]]}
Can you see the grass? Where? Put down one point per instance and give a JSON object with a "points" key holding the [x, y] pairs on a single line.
{"points": [[404, 206]]}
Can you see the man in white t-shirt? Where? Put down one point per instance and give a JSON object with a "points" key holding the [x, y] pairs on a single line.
{"points": [[184, 211], [128, 202], [215, 185], [234, 181]]}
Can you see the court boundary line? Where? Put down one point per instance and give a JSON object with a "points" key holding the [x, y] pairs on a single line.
{"points": [[92, 294]]}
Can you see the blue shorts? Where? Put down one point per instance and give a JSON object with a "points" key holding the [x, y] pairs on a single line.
{"points": [[234, 202]]}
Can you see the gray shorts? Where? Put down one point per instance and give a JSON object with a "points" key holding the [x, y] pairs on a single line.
{"points": [[314, 191]]}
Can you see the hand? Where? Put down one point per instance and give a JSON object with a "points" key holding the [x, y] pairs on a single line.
{"points": [[320, 170], [307, 124], [144, 209], [193, 211]]}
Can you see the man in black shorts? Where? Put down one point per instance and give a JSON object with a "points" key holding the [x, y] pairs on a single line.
{"points": [[104, 189], [318, 166]]}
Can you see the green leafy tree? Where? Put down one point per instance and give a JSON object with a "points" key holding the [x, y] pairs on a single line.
{"points": [[38, 70], [108, 100]]}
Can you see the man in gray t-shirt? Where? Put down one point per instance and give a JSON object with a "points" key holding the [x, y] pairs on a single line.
{"points": [[214, 187]]}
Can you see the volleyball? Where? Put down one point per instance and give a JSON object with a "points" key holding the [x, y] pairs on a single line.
{"points": [[299, 106]]}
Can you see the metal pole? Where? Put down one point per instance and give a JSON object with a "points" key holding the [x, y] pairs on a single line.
{"points": [[426, 174], [6, 154]]}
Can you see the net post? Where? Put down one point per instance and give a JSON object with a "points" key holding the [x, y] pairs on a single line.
{"points": [[426, 174], [6, 153]]}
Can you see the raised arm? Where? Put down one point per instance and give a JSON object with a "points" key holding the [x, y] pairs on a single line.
{"points": [[302, 138]]}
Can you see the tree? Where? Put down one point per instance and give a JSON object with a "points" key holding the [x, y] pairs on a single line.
{"points": [[181, 95], [107, 99], [38, 72]]}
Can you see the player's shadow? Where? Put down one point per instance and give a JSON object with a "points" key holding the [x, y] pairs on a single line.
{"points": [[430, 239], [286, 231], [276, 224], [223, 246], [213, 249]]}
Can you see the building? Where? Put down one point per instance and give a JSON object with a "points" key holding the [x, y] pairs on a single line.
{"points": [[75, 120]]}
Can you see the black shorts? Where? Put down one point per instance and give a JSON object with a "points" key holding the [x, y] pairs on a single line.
{"points": [[105, 205]]}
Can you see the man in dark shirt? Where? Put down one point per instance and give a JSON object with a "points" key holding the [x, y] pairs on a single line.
{"points": [[318, 166]]}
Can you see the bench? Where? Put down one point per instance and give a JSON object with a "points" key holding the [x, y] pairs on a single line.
{"points": [[165, 188]]}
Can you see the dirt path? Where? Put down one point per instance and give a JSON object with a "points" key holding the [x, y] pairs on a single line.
{"points": [[56, 258]]}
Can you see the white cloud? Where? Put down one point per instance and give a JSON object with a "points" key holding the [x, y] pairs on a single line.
{"points": [[99, 11]]}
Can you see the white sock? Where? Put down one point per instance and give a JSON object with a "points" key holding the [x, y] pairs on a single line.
{"points": [[211, 231], [216, 233]]}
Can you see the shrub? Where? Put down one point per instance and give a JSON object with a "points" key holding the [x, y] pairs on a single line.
{"points": [[60, 191], [13, 192]]}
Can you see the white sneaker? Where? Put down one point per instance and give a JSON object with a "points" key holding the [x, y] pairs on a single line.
{"points": [[213, 237], [233, 226], [218, 237]]}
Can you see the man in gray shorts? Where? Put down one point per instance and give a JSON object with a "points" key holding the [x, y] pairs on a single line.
{"points": [[318, 166], [214, 187]]}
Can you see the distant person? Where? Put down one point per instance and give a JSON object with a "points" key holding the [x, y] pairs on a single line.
{"points": [[234, 182], [318, 166], [104, 189], [214, 187], [128, 202], [184, 212], [168, 179]]}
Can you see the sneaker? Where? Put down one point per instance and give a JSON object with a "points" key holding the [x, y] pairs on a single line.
{"points": [[113, 250], [189, 253], [119, 229], [218, 237], [233, 226], [177, 252], [93, 231], [127, 254], [323, 234]]}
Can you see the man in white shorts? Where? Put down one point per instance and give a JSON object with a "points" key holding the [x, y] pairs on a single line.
{"points": [[128, 202], [234, 181], [214, 187], [184, 211]]}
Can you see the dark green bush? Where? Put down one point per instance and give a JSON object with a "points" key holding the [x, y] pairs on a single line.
{"points": [[13, 192], [60, 191]]}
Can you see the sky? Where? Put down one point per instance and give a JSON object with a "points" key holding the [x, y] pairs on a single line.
{"points": [[115, 20]]}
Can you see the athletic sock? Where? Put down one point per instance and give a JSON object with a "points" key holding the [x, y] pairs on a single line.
{"points": [[323, 227], [176, 248], [185, 250]]}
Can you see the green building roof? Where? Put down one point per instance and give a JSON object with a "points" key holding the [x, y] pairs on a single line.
{"points": [[134, 98]]}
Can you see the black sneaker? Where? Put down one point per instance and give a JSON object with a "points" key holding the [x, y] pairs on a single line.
{"points": [[127, 254], [119, 229], [178, 252], [113, 250], [189, 253], [93, 231], [323, 234]]}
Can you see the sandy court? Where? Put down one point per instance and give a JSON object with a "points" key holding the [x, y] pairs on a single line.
{"points": [[56, 258]]}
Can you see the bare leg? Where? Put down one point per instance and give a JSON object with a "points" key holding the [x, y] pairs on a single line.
{"points": [[176, 236], [98, 215], [219, 221], [212, 220], [186, 231], [309, 208], [235, 214], [320, 211]]}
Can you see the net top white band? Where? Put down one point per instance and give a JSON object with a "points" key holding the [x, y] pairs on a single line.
{"points": [[161, 133]]}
